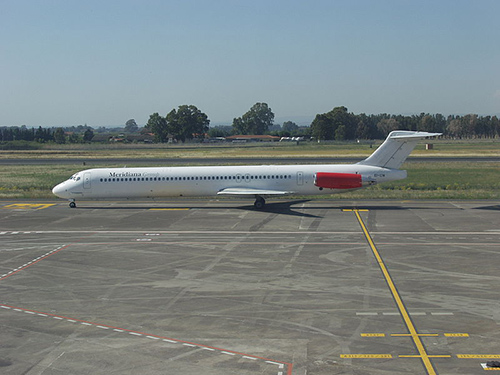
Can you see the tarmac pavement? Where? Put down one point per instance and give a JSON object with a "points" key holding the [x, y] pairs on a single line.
{"points": [[217, 287]]}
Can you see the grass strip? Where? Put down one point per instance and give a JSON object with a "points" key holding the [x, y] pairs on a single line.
{"points": [[433, 180]]}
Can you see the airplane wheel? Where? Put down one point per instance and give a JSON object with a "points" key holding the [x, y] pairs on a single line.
{"points": [[259, 203], [72, 204]]}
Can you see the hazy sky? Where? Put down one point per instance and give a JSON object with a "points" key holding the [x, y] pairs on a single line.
{"points": [[65, 62]]}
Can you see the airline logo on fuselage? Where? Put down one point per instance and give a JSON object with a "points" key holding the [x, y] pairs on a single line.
{"points": [[126, 174]]}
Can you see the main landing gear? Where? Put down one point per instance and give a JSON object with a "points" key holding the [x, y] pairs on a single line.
{"points": [[72, 203], [259, 202]]}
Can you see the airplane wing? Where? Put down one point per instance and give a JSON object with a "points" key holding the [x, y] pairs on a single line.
{"points": [[251, 191]]}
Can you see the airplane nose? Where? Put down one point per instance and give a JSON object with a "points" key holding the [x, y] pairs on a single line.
{"points": [[60, 191]]}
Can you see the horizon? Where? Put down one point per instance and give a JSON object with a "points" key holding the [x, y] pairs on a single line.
{"points": [[229, 124]]}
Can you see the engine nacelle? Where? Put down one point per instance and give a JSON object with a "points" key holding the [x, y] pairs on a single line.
{"points": [[329, 180]]}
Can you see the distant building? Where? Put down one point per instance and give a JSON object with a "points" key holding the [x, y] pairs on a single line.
{"points": [[252, 138], [124, 138]]}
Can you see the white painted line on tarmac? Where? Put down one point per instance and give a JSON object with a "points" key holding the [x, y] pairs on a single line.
{"points": [[441, 313], [273, 363]]}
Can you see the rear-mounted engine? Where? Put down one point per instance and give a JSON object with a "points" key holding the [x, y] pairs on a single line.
{"points": [[337, 180]]}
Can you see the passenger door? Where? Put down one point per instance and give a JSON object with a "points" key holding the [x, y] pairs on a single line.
{"points": [[86, 180]]}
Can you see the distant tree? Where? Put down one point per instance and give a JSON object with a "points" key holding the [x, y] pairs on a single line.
{"points": [[325, 125], [322, 127], [88, 135], [131, 126], [187, 122], [73, 138], [256, 121], [289, 126], [455, 128], [386, 125], [495, 126], [59, 136], [340, 133], [239, 127], [43, 135], [158, 126], [341, 117], [363, 128], [431, 123], [219, 131]]}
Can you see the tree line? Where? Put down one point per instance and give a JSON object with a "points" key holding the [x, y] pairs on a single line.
{"points": [[188, 122], [339, 124], [73, 134]]}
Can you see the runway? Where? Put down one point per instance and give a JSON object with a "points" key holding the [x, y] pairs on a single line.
{"points": [[228, 161], [217, 287]]}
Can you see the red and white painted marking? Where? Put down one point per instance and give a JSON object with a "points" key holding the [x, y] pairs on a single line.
{"points": [[33, 261], [280, 365]]}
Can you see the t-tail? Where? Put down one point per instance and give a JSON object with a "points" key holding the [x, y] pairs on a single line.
{"points": [[396, 148]]}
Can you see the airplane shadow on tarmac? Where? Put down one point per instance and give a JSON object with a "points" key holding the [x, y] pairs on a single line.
{"points": [[287, 208], [491, 208], [280, 208]]}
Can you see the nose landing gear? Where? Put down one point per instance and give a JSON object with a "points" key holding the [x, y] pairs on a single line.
{"points": [[72, 203]]}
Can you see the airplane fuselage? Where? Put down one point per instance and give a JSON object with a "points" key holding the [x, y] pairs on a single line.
{"points": [[257, 181], [156, 182]]}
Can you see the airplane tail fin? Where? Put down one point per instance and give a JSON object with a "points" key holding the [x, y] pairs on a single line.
{"points": [[396, 148]]}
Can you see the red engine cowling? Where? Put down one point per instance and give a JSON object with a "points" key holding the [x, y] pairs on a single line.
{"points": [[337, 180]]}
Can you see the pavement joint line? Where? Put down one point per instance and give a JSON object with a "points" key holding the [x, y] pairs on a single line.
{"points": [[429, 367], [281, 365]]}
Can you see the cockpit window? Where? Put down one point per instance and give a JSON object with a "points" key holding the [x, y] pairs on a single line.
{"points": [[75, 177]]}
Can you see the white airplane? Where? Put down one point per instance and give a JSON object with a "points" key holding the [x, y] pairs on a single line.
{"points": [[258, 181]]}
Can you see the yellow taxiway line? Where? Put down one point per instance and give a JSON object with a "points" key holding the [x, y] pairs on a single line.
{"points": [[422, 353]]}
